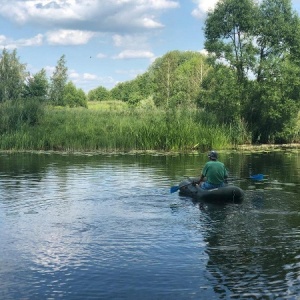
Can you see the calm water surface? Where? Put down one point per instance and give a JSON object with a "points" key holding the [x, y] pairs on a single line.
{"points": [[107, 227]]}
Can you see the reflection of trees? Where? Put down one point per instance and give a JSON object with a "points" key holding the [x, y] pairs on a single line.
{"points": [[278, 165], [282, 167], [252, 254]]}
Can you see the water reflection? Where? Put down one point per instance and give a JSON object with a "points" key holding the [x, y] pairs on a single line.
{"points": [[251, 249], [106, 227]]}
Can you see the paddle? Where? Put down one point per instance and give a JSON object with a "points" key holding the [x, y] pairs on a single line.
{"points": [[175, 188], [257, 177]]}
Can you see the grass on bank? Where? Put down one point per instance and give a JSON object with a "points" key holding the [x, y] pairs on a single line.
{"points": [[113, 127]]}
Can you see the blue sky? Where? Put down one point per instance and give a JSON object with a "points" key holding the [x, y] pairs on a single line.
{"points": [[104, 41]]}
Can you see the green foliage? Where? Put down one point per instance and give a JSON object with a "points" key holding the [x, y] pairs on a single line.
{"points": [[107, 105], [73, 97], [276, 32], [12, 76], [164, 74], [259, 41], [274, 104], [220, 95], [229, 34], [99, 94], [128, 92], [37, 86], [177, 78], [145, 85], [58, 81]]}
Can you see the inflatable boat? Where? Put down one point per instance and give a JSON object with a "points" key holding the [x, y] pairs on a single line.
{"points": [[228, 193]]}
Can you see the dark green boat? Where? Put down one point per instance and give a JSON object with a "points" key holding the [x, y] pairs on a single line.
{"points": [[227, 194]]}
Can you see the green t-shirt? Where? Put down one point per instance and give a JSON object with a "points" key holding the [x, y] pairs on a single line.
{"points": [[215, 172]]}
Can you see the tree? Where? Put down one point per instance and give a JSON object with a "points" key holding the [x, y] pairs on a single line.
{"points": [[121, 91], [229, 34], [73, 97], [99, 94], [144, 85], [220, 94], [260, 42], [37, 86], [188, 78], [273, 104], [58, 82], [12, 76], [164, 75], [275, 34], [177, 77], [127, 92]]}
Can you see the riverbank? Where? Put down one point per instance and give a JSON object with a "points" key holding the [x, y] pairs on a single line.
{"points": [[264, 148], [269, 147]]}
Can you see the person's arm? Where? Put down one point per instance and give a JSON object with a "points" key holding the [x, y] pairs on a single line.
{"points": [[201, 179]]}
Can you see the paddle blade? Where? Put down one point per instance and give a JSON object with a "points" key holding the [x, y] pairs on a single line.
{"points": [[257, 177], [174, 189]]}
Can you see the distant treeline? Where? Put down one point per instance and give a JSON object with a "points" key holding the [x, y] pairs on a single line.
{"points": [[246, 89]]}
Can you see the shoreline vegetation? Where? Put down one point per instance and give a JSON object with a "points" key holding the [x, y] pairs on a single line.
{"points": [[115, 128], [243, 91]]}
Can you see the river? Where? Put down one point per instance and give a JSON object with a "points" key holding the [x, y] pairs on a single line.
{"points": [[90, 226]]}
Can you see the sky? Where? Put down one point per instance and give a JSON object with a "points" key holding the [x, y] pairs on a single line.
{"points": [[105, 42]]}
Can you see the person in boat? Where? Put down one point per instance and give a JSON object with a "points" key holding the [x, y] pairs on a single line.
{"points": [[215, 173]]}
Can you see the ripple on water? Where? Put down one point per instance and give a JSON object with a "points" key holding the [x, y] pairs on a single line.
{"points": [[96, 228]]}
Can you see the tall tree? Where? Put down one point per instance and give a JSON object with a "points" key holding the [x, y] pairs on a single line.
{"points": [[177, 77], [259, 41], [58, 82], [188, 78], [229, 34], [12, 76], [164, 74], [276, 31]]}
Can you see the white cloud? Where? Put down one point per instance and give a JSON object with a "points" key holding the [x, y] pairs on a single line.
{"points": [[204, 52], [101, 55], [88, 76], [8, 43], [132, 72], [88, 81], [135, 46], [203, 6], [73, 75], [130, 54], [49, 70], [130, 41], [149, 23], [95, 15], [69, 37]]}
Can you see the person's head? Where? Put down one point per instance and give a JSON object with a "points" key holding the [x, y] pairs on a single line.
{"points": [[213, 155]]}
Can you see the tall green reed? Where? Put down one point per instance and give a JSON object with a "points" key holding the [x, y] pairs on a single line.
{"points": [[80, 129]]}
